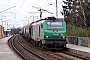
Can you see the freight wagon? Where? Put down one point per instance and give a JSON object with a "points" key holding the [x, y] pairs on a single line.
{"points": [[1, 31]]}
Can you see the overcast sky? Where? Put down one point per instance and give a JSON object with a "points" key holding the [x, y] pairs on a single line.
{"points": [[22, 7]]}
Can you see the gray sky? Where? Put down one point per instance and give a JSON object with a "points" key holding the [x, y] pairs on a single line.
{"points": [[23, 7]]}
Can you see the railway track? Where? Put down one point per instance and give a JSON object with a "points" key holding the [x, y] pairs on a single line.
{"points": [[22, 51], [42, 58], [80, 56], [17, 51], [73, 56], [48, 54], [42, 54]]}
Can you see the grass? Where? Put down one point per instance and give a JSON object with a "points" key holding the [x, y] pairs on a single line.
{"points": [[78, 31]]}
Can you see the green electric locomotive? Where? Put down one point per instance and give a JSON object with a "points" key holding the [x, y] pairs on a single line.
{"points": [[49, 33]]}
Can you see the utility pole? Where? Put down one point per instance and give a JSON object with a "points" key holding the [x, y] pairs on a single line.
{"points": [[40, 13], [4, 11], [25, 22], [2, 20], [7, 24], [56, 9], [41, 10], [33, 18], [33, 15]]}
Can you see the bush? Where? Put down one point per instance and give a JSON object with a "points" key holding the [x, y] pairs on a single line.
{"points": [[77, 31]]}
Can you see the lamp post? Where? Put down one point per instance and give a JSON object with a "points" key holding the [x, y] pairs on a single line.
{"points": [[2, 20], [56, 9]]}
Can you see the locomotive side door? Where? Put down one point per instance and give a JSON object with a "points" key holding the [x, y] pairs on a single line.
{"points": [[41, 31]]}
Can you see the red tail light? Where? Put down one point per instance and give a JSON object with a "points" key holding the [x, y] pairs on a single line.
{"points": [[62, 34]]}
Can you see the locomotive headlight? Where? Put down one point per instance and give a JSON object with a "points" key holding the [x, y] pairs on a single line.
{"points": [[47, 36], [63, 36]]}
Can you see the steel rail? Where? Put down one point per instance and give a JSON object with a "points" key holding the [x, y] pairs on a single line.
{"points": [[18, 50], [42, 58], [80, 57]]}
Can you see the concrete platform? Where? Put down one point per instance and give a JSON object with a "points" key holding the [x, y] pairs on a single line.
{"points": [[5, 51], [80, 48]]}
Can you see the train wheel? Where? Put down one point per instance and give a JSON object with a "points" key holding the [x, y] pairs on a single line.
{"points": [[40, 44], [43, 46], [36, 43], [64, 46]]}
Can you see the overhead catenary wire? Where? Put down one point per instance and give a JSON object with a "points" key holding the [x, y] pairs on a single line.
{"points": [[20, 7], [17, 2], [45, 3], [39, 2], [50, 4], [36, 5], [7, 9]]}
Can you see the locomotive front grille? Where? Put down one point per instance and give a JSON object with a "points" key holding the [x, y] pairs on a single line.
{"points": [[55, 42]]}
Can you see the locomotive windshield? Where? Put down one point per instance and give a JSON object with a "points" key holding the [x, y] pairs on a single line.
{"points": [[55, 25]]}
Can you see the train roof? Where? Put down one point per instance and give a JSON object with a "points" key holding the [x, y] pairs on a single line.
{"points": [[42, 20], [53, 18], [38, 22]]}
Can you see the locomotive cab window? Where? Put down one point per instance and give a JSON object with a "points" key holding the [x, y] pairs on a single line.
{"points": [[41, 25], [55, 25]]}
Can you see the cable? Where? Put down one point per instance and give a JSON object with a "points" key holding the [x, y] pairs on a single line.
{"points": [[17, 3], [50, 4], [45, 3], [39, 2], [7, 9], [20, 6]]}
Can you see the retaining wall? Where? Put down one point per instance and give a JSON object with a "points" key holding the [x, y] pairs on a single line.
{"points": [[81, 41]]}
